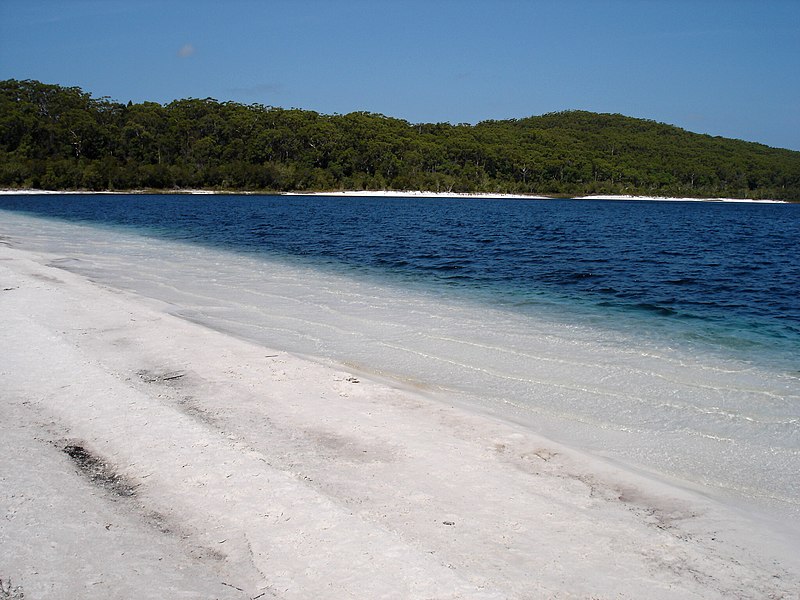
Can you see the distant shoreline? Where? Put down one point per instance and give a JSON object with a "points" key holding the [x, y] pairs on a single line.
{"points": [[420, 194], [388, 194]]}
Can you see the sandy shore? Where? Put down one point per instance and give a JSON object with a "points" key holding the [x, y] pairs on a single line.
{"points": [[673, 199], [417, 194], [148, 457]]}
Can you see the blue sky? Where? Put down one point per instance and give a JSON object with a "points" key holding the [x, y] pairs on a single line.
{"points": [[729, 68]]}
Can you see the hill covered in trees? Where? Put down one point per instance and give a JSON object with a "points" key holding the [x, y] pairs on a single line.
{"points": [[55, 137]]}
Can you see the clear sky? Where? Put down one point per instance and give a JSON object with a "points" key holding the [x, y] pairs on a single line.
{"points": [[723, 67]]}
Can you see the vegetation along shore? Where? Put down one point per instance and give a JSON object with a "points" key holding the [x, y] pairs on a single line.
{"points": [[61, 138]]}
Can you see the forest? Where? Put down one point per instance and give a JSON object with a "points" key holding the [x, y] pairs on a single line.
{"points": [[61, 138]]}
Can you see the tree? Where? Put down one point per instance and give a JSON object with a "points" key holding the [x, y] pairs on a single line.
{"points": [[61, 137]]}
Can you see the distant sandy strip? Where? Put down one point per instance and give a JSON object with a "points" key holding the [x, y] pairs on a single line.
{"points": [[418, 194], [148, 457], [410, 194], [666, 199], [414, 194]]}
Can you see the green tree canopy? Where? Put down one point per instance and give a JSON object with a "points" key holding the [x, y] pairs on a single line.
{"points": [[56, 137]]}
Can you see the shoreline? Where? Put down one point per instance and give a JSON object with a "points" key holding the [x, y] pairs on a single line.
{"points": [[253, 469], [393, 194]]}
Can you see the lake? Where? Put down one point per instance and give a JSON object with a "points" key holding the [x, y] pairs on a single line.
{"points": [[663, 336]]}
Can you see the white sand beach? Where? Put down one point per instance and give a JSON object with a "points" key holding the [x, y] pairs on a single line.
{"points": [[422, 194], [412, 194], [348, 193], [673, 199], [415, 194], [145, 456]]}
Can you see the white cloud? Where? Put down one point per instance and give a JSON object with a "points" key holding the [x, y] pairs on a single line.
{"points": [[186, 51]]}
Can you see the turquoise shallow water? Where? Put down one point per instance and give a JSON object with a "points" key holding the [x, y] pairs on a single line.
{"points": [[721, 276], [662, 336]]}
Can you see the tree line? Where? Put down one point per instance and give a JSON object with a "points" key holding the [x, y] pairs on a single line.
{"points": [[61, 138]]}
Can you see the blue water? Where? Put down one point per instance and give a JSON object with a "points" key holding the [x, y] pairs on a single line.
{"points": [[722, 277], [663, 336]]}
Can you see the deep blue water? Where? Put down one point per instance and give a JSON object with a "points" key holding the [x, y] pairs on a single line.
{"points": [[720, 275]]}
